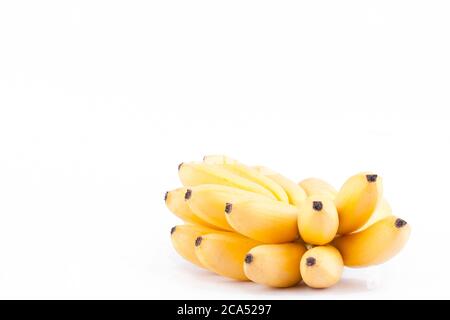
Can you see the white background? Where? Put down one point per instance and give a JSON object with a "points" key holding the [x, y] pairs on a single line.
{"points": [[100, 101]]}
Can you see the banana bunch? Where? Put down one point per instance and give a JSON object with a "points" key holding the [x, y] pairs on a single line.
{"points": [[252, 223]]}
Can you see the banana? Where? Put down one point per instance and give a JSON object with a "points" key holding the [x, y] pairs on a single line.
{"points": [[382, 211], [175, 201], [374, 245], [194, 174], [318, 187], [265, 220], [249, 173], [318, 220], [275, 265], [208, 202], [321, 267], [183, 239], [356, 201], [295, 193], [224, 253]]}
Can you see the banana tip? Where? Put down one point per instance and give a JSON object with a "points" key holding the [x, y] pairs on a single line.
{"points": [[166, 195], [228, 208], [310, 261], [180, 165], [172, 230], [188, 194], [400, 223], [198, 241], [371, 177], [317, 205], [248, 258]]}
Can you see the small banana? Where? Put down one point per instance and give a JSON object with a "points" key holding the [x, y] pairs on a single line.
{"points": [[194, 174], [224, 253], [249, 173], [318, 187], [208, 202], [275, 265], [176, 202], [265, 220], [374, 245], [382, 211], [356, 201], [321, 267], [183, 238], [294, 192], [318, 220]]}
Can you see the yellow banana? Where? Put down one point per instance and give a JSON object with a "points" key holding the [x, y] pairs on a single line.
{"points": [[194, 174], [321, 267], [208, 202], [318, 220], [318, 187], [183, 240], [265, 220], [175, 201], [374, 245], [224, 253], [249, 173], [295, 193], [356, 201], [382, 211], [275, 265]]}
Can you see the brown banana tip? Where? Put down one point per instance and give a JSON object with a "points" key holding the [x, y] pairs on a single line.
{"points": [[400, 223], [172, 230], [180, 165], [248, 258], [310, 261], [198, 241], [188, 194], [371, 177], [228, 208], [317, 205], [166, 195]]}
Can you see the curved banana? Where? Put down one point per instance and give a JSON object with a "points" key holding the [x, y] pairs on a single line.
{"points": [[318, 187], [175, 201], [183, 239], [194, 174], [249, 173], [208, 202], [295, 193], [374, 245], [321, 267], [318, 220], [356, 201], [265, 220], [224, 253], [275, 265], [382, 211]]}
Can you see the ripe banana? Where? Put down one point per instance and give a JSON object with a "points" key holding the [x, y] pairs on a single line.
{"points": [[183, 240], [321, 267], [295, 193], [263, 219], [208, 202], [194, 174], [356, 201], [175, 201], [318, 220], [224, 253], [318, 187], [249, 173], [374, 245], [382, 211], [275, 265]]}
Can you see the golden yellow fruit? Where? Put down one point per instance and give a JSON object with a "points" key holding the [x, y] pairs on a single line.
{"points": [[321, 267], [318, 187], [374, 245]]}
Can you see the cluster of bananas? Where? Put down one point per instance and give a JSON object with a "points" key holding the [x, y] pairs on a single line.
{"points": [[251, 223]]}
